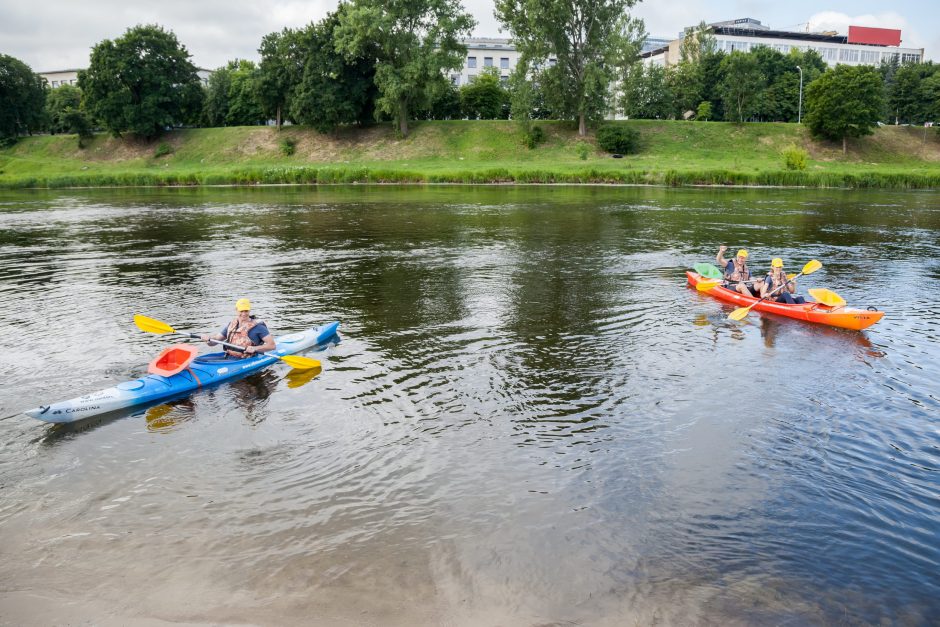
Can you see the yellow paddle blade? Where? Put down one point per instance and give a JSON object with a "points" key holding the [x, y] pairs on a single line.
{"points": [[739, 313], [791, 276], [301, 363], [826, 297], [152, 326], [704, 286], [811, 267]]}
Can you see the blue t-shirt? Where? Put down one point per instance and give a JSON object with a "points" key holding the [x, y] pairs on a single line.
{"points": [[256, 335]]}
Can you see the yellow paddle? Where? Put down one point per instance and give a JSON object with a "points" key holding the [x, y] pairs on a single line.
{"points": [[741, 312], [826, 297], [159, 327]]}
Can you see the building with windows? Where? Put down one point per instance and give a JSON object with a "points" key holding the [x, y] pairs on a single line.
{"points": [[483, 52], [58, 78], [862, 46]]}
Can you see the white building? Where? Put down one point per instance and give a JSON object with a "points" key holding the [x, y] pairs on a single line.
{"points": [[483, 52], [862, 46], [57, 78]]}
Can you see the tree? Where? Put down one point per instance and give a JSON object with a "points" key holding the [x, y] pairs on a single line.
{"points": [[414, 43], [333, 88], [741, 86], [591, 41], [845, 102], [907, 96], [484, 98], [244, 106], [142, 82], [22, 99], [704, 111], [280, 70], [647, 92]]}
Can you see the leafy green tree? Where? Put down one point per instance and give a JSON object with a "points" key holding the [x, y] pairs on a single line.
{"points": [[244, 106], [333, 88], [741, 85], [280, 71], [592, 40], [484, 98], [445, 103], [704, 111], [845, 102], [22, 99], [647, 92], [58, 101], [216, 103], [907, 97], [416, 42], [142, 82]]}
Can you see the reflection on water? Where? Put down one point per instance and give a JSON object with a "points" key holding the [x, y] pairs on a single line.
{"points": [[524, 381]]}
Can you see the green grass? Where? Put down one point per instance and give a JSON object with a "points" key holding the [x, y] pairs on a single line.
{"points": [[671, 153]]}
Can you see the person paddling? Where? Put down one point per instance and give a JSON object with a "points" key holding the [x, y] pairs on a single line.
{"points": [[737, 275], [776, 280], [245, 330]]}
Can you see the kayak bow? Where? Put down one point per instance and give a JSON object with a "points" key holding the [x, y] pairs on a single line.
{"points": [[819, 313], [202, 371]]}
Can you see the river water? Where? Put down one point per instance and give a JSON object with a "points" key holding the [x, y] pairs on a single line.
{"points": [[530, 419]]}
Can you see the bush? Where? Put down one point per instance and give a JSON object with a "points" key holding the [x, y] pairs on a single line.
{"points": [[618, 138], [533, 137], [795, 158], [162, 150], [288, 146], [583, 149]]}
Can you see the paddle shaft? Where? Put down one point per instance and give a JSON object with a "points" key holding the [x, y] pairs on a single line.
{"points": [[234, 347], [774, 291]]}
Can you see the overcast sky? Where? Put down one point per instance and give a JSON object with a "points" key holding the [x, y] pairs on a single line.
{"points": [[57, 34]]}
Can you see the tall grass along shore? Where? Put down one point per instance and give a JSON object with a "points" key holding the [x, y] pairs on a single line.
{"points": [[670, 153]]}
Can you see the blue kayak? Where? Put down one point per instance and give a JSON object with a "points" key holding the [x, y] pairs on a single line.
{"points": [[203, 371]]}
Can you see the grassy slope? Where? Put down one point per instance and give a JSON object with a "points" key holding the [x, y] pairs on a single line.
{"points": [[672, 152]]}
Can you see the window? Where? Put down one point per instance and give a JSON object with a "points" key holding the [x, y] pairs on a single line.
{"points": [[850, 56], [487, 61], [55, 83], [471, 78], [889, 56], [552, 62], [869, 56], [504, 79], [455, 79], [471, 62], [504, 63], [910, 58]]}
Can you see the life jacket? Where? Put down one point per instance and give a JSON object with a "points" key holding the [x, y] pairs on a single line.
{"points": [[238, 335], [775, 281], [738, 274]]}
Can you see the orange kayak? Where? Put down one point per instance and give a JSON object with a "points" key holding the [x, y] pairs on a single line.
{"points": [[842, 317]]}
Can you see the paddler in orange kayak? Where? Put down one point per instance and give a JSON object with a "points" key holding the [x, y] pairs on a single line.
{"points": [[776, 279], [737, 275]]}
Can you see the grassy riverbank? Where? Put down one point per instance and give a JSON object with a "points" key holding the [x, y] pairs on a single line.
{"points": [[671, 153]]}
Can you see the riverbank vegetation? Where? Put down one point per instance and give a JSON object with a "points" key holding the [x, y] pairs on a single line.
{"points": [[669, 153]]}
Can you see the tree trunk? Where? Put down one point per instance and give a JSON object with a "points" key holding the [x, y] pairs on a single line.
{"points": [[582, 125], [843, 144], [278, 121], [403, 118]]}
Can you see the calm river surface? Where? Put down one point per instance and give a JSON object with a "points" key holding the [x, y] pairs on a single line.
{"points": [[530, 419]]}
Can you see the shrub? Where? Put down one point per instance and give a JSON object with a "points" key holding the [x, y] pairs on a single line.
{"points": [[618, 138], [533, 137], [583, 150], [795, 158], [288, 146], [162, 150], [704, 111]]}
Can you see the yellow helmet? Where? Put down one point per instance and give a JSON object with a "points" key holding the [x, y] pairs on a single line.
{"points": [[243, 304], [742, 253], [776, 263]]}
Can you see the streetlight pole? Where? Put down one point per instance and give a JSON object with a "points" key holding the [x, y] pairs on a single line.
{"points": [[799, 111]]}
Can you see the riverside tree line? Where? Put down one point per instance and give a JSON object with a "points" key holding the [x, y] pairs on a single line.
{"points": [[371, 60]]}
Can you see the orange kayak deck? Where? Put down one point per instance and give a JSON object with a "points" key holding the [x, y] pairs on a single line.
{"points": [[842, 317]]}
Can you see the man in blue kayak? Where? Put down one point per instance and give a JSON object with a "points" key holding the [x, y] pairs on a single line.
{"points": [[737, 275], [245, 330]]}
